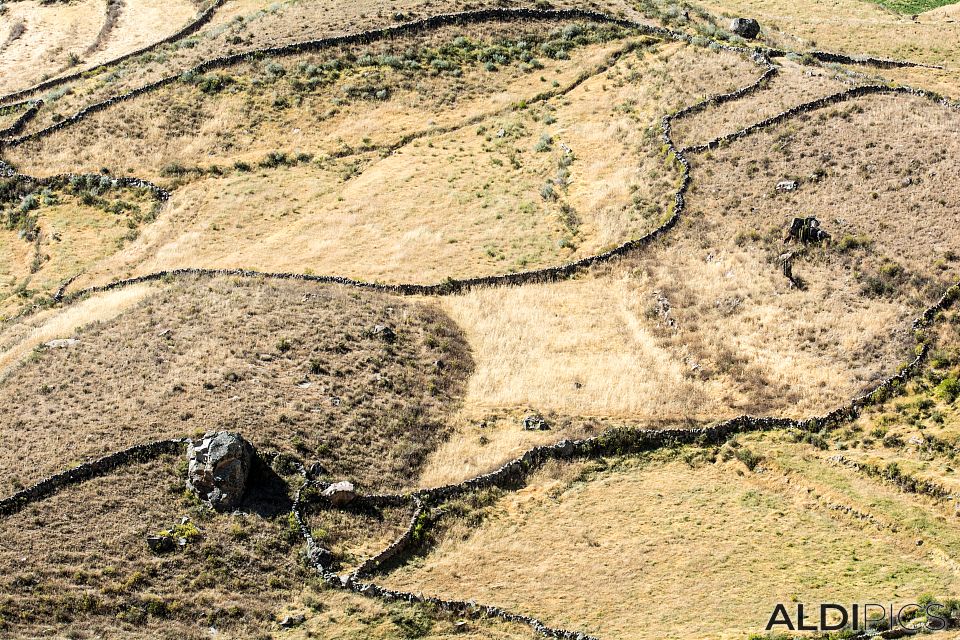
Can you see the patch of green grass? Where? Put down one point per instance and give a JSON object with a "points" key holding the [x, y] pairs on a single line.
{"points": [[912, 6]]}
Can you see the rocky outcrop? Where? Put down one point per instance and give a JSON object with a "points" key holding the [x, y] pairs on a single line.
{"points": [[219, 467]]}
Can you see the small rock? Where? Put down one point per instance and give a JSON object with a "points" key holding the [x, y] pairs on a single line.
{"points": [[219, 467], [61, 343], [293, 621], [919, 543], [316, 470], [340, 494], [787, 185], [535, 422], [906, 182], [745, 27], [501, 133], [384, 332]]}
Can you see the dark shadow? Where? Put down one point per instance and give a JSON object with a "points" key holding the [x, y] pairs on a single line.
{"points": [[268, 494]]}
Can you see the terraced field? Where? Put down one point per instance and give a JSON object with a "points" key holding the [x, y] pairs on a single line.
{"points": [[667, 306]]}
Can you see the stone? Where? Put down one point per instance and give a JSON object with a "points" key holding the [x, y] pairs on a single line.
{"points": [[293, 620], [384, 332], [340, 494], [160, 544], [745, 27], [787, 185], [806, 231], [535, 422], [61, 343], [219, 467]]}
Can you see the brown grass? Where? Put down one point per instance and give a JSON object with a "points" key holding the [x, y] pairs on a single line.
{"points": [[794, 84], [626, 555], [291, 366], [454, 205]]}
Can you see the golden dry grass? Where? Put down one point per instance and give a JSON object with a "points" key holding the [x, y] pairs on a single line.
{"points": [[143, 22], [72, 238], [855, 27], [626, 554], [794, 84], [52, 33], [459, 204], [21, 340]]}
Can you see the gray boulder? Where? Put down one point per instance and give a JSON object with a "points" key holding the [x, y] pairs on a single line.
{"points": [[745, 27], [340, 494], [219, 467]]}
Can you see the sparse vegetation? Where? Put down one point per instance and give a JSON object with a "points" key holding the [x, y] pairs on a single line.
{"points": [[449, 153]]}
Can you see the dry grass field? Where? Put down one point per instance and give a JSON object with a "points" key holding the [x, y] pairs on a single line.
{"points": [[624, 552], [510, 187], [39, 40], [294, 367], [466, 151]]}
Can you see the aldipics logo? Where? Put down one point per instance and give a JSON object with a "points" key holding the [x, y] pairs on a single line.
{"points": [[912, 618]]}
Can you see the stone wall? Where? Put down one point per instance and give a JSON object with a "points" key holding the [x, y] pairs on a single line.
{"points": [[188, 30], [86, 471]]}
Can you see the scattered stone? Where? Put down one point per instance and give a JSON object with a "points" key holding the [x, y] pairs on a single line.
{"points": [[293, 621], [787, 185], [61, 343], [340, 493], [460, 627], [439, 365], [919, 543], [745, 27], [535, 422], [906, 182], [265, 357], [384, 332], [160, 544], [501, 133], [219, 467]]}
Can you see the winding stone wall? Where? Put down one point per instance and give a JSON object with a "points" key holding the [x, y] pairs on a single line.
{"points": [[86, 471]]}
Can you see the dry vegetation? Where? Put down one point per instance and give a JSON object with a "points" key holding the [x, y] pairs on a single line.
{"points": [[511, 187], [50, 235], [294, 367], [428, 157], [624, 549], [57, 37]]}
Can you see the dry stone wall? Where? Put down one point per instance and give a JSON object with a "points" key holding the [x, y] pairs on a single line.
{"points": [[188, 30]]}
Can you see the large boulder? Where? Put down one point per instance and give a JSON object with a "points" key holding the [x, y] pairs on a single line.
{"points": [[219, 467], [745, 27]]}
